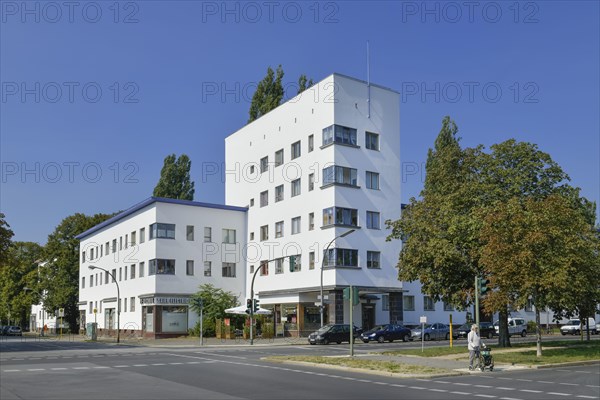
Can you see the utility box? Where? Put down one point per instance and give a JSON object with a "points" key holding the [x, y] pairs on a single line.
{"points": [[91, 330]]}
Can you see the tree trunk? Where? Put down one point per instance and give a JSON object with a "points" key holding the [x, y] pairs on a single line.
{"points": [[538, 332], [503, 338]]}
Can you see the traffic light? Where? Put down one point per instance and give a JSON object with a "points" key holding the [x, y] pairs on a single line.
{"points": [[292, 263], [248, 305], [483, 288], [256, 305]]}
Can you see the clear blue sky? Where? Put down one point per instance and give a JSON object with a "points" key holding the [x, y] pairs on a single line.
{"points": [[166, 61]]}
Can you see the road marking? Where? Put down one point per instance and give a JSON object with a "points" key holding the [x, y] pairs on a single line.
{"points": [[587, 397], [436, 390], [36, 369], [145, 365], [458, 383], [558, 394], [461, 393], [58, 369], [593, 386], [81, 367], [530, 391], [568, 384], [412, 387], [221, 355], [122, 366], [505, 388], [101, 367], [524, 380], [11, 370], [508, 398], [159, 364], [545, 382], [483, 386], [485, 395]]}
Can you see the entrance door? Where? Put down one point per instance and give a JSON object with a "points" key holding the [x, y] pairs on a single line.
{"points": [[368, 316], [109, 318]]}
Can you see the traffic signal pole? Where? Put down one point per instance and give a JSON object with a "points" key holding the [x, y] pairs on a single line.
{"points": [[477, 301]]}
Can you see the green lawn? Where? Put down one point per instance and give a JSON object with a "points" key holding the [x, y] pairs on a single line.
{"points": [[386, 366]]}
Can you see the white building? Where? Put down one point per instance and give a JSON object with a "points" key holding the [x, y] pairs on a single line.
{"points": [[322, 163], [159, 251]]}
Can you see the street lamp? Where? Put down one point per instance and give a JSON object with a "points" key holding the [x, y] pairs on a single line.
{"points": [[43, 312], [322, 306], [92, 267]]}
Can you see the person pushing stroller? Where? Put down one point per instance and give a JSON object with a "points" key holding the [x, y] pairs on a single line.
{"points": [[473, 343]]}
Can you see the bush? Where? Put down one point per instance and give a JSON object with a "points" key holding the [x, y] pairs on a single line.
{"points": [[208, 328], [531, 326]]}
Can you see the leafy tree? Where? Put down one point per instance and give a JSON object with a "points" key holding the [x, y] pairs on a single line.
{"points": [[19, 271], [304, 83], [215, 301], [175, 181], [544, 249], [60, 276], [6, 235], [268, 95]]}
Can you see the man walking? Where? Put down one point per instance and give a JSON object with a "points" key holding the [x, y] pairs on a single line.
{"points": [[473, 342]]}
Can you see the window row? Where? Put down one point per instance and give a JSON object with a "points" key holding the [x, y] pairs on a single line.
{"points": [[156, 231], [295, 152], [339, 258], [95, 307]]}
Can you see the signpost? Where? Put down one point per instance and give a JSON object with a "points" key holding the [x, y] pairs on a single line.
{"points": [[351, 294], [61, 314], [423, 321]]}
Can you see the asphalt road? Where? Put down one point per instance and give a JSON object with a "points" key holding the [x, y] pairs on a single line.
{"points": [[80, 370]]}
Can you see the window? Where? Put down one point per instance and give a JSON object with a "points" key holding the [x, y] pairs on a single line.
{"points": [[278, 193], [385, 302], [295, 225], [251, 235], [311, 182], [340, 216], [133, 238], [114, 275], [311, 260], [142, 235], [372, 220], [311, 221], [120, 243], [264, 232], [141, 270], [297, 266], [252, 269], [120, 274], [106, 275], [83, 256], [252, 202], [91, 307], [296, 189], [371, 141], [264, 164], [372, 179], [339, 175], [91, 280], [373, 259], [408, 303], [428, 304], [132, 271], [189, 267], [207, 234], [264, 268], [106, 251], [207, 268], [311, 143], [229, 236], [83, 282], [161, 267], [264, 198], [278, 157], [339, 134], [279, 229], [529, 305], [296, 150], [125, 273], [114, 246], [125, 304], [279, 266], [132, 304], [189, 232], [341, 258], [162, 231], [91, 253], [126, 240], [228, 270], [101, 251], [448, 307]]}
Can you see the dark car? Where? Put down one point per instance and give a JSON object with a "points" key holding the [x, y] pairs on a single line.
{"points": [[486, 330], [389, 332], [14, 331], [331, 333]]}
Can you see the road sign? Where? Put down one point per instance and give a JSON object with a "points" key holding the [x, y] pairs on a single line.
{"points": [[61, 312], [423, 319], [326, 297]]}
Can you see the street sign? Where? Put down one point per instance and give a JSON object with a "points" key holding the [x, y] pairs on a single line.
{"points": [[326, 297], [423, 319], [61, 312]]}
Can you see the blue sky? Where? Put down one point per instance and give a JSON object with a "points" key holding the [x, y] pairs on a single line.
{"points": [[94, 96]]}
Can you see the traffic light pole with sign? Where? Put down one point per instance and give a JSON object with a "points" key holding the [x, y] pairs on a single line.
{"points": [[351, 294]]}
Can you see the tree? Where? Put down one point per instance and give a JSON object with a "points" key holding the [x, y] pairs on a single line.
{"points": [[175, 181], [20, 271], [60, 276], [541, 249], [6, 235], [304, 83], [215, 301], [268, 95]]}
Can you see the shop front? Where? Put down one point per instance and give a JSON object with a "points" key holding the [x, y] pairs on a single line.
{"points": [[164, 316]]}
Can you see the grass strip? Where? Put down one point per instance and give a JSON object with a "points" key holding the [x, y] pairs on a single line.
{"points": [[374, 365]]}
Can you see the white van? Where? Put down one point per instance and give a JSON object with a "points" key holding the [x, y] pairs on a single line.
{"points": [[516, 326], [575, 326]]}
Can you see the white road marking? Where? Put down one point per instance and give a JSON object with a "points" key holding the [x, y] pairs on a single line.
{"points": [[587, 397], [461, 393], [558, 394], [485, 395], [437, 390], [58, 369], [101, 367], [505, 388], [524, 380], [36, 369], [145, 365], [11, 370], [159, 364], [568, 384], [530, 391], [483, 386], [81, 367], [122, 366]]}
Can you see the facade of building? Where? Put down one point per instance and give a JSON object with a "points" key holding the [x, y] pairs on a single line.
{"points": [[322, 164], [159, 252]]}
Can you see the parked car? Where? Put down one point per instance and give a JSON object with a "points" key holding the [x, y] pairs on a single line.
{"points": [[14, 331], [435, 331], [389, 332], [575, 326], [516, 326], [486, 330], [4, 330], [337, 333]]}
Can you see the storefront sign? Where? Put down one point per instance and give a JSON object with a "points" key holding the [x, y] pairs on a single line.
{"points": [[164, 300]]}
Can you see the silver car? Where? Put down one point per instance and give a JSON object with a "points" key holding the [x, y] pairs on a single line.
{"points": [[437, 331]]}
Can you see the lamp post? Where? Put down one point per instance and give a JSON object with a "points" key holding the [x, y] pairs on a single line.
{"points": [[322, 306], [92, 267], [43, 312]]}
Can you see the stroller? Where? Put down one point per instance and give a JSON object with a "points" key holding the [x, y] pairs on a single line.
{"points": [[485, 359]]}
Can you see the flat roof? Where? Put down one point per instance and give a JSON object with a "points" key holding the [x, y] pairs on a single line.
{"points": [[152, 200]]}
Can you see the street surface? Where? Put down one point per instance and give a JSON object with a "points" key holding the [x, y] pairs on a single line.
{"points": [[52, 369]]}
